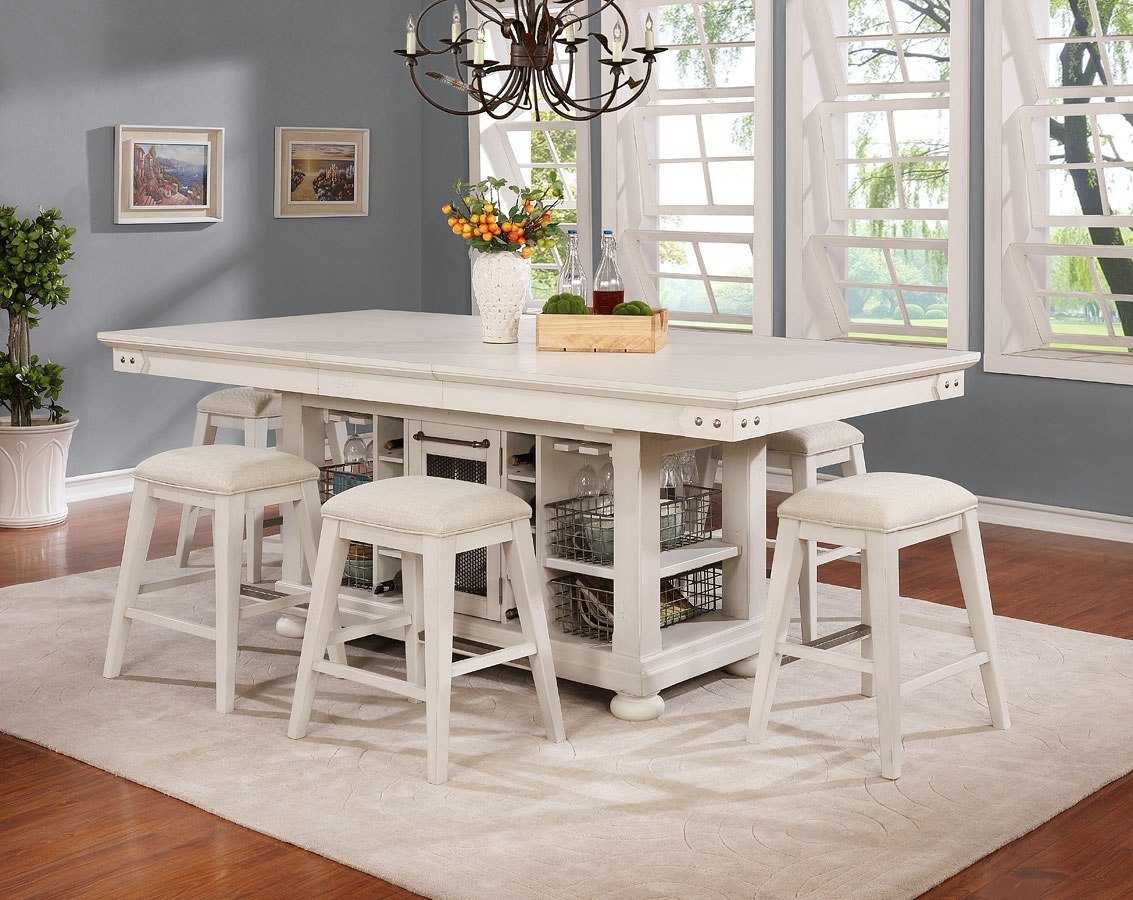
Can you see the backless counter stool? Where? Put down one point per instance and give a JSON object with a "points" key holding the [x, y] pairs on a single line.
{"points": [[880, 513], [429, 520], [256, 413], [230, 481], [804, 451]]}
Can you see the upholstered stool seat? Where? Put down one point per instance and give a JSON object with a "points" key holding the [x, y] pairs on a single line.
{"points": [[879, 501], [229, 481], [418, 504], [811, 440], [242, 403], [430, 520], [803, 451], [257, 414], [880, 513], [225, 469]]}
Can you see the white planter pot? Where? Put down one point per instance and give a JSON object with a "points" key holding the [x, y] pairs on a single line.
{"points": [[502, 285], [33, 472]]}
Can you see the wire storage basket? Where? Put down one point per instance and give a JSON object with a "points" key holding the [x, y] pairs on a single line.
{"points": [[585, 604], [582, 528], [359, 571]]}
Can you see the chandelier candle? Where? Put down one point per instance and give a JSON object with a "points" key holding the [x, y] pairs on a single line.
{"points": [[538, 73]]}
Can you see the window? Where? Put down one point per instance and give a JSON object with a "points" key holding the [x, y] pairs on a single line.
{"points": [[877, 163], [529, 153], [1059, 276], [683, 169]]}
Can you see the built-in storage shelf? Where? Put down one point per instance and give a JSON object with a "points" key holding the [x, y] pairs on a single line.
{"points": [[394, 457], [673, 562], [525, 474], [586, 449]]}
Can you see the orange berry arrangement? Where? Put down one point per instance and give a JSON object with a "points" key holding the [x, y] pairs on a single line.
{"points": [[478, 215]]}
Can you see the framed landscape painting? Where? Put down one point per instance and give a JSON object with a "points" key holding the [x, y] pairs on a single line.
{"points": [[322, 172], [168, 175]]}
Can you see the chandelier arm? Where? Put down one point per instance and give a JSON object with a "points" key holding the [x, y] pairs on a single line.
{"points": [[578, 19], [490, 13], [441, 106], [589, 112], [422, 48], [508, 97]]}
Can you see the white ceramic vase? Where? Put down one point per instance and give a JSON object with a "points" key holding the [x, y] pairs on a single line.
{"points": [[33, 472], [502, 285]]}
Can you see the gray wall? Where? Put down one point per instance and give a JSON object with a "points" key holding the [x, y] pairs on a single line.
{"points": [[71, 69]]}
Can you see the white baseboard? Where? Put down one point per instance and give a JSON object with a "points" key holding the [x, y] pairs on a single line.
{"points": [[99, 484], [1016, 513], [1022, 514]]}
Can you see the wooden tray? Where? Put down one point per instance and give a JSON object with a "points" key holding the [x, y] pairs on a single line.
{"points": [[603, 334]]}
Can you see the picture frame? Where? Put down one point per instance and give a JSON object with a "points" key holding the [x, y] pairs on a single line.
{"points": [[321, 172], [166, 175]]}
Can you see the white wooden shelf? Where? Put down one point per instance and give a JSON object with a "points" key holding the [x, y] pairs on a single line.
{"points": [[673, 562], [525, 474], [395, 458], [585, 449]]}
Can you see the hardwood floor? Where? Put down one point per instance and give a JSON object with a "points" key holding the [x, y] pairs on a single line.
{"points": [[68, 829]]}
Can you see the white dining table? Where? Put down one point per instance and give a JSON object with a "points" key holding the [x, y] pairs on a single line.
{"points": [[708, 388]]}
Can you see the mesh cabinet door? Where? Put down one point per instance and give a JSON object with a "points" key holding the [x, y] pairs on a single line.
{"points": [[464, 454]]}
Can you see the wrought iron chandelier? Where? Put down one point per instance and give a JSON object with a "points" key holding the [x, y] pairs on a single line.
{"points": [[530, 79]]}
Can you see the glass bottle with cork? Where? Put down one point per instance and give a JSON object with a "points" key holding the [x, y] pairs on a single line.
{"points": [[609, 289], [572, 277]]}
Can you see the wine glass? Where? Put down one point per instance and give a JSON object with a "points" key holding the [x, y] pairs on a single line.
{"points": [[586, 482], [355, 450], [606, 480], [670, 477]]}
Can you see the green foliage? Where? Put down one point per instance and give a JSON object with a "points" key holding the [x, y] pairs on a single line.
{"points": [[32, 255], [566, 305], [633, 308]]}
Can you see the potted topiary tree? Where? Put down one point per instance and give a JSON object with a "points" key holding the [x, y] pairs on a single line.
{"points": [[35, 435]]}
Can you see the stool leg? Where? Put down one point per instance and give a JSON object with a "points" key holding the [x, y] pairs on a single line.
{"points": [[785, 570], [804, 474], [968, 550], [256, 435], [204, 432], [883, 579], [439, 599], [413, 587], [227, 528], [867, 643], [139, 531], [307, 522], [320, 618], [533, 618], [856, 463]]}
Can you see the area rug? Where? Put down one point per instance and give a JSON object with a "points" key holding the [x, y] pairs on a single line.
{"points": [[678, 807]]}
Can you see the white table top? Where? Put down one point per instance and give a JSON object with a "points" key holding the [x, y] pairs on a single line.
{"points": [[723, 370]]}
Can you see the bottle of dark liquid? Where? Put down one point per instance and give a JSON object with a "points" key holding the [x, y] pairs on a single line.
{"points": [[609, 289], [387, 587], [395, 443], [522, 459]]}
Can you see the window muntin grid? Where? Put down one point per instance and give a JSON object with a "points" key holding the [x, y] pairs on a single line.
{"points": [[1095, 186], [711, 47], [698, 276], [1056, 299], [696, 159], [890, 46], [1097, 38], [898, 166], [887, 286]]}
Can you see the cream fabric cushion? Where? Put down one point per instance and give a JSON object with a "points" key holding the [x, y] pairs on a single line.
{"points": [[418, 504], [225, 469], [878, 501], [814, 439], [242, 403]]}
